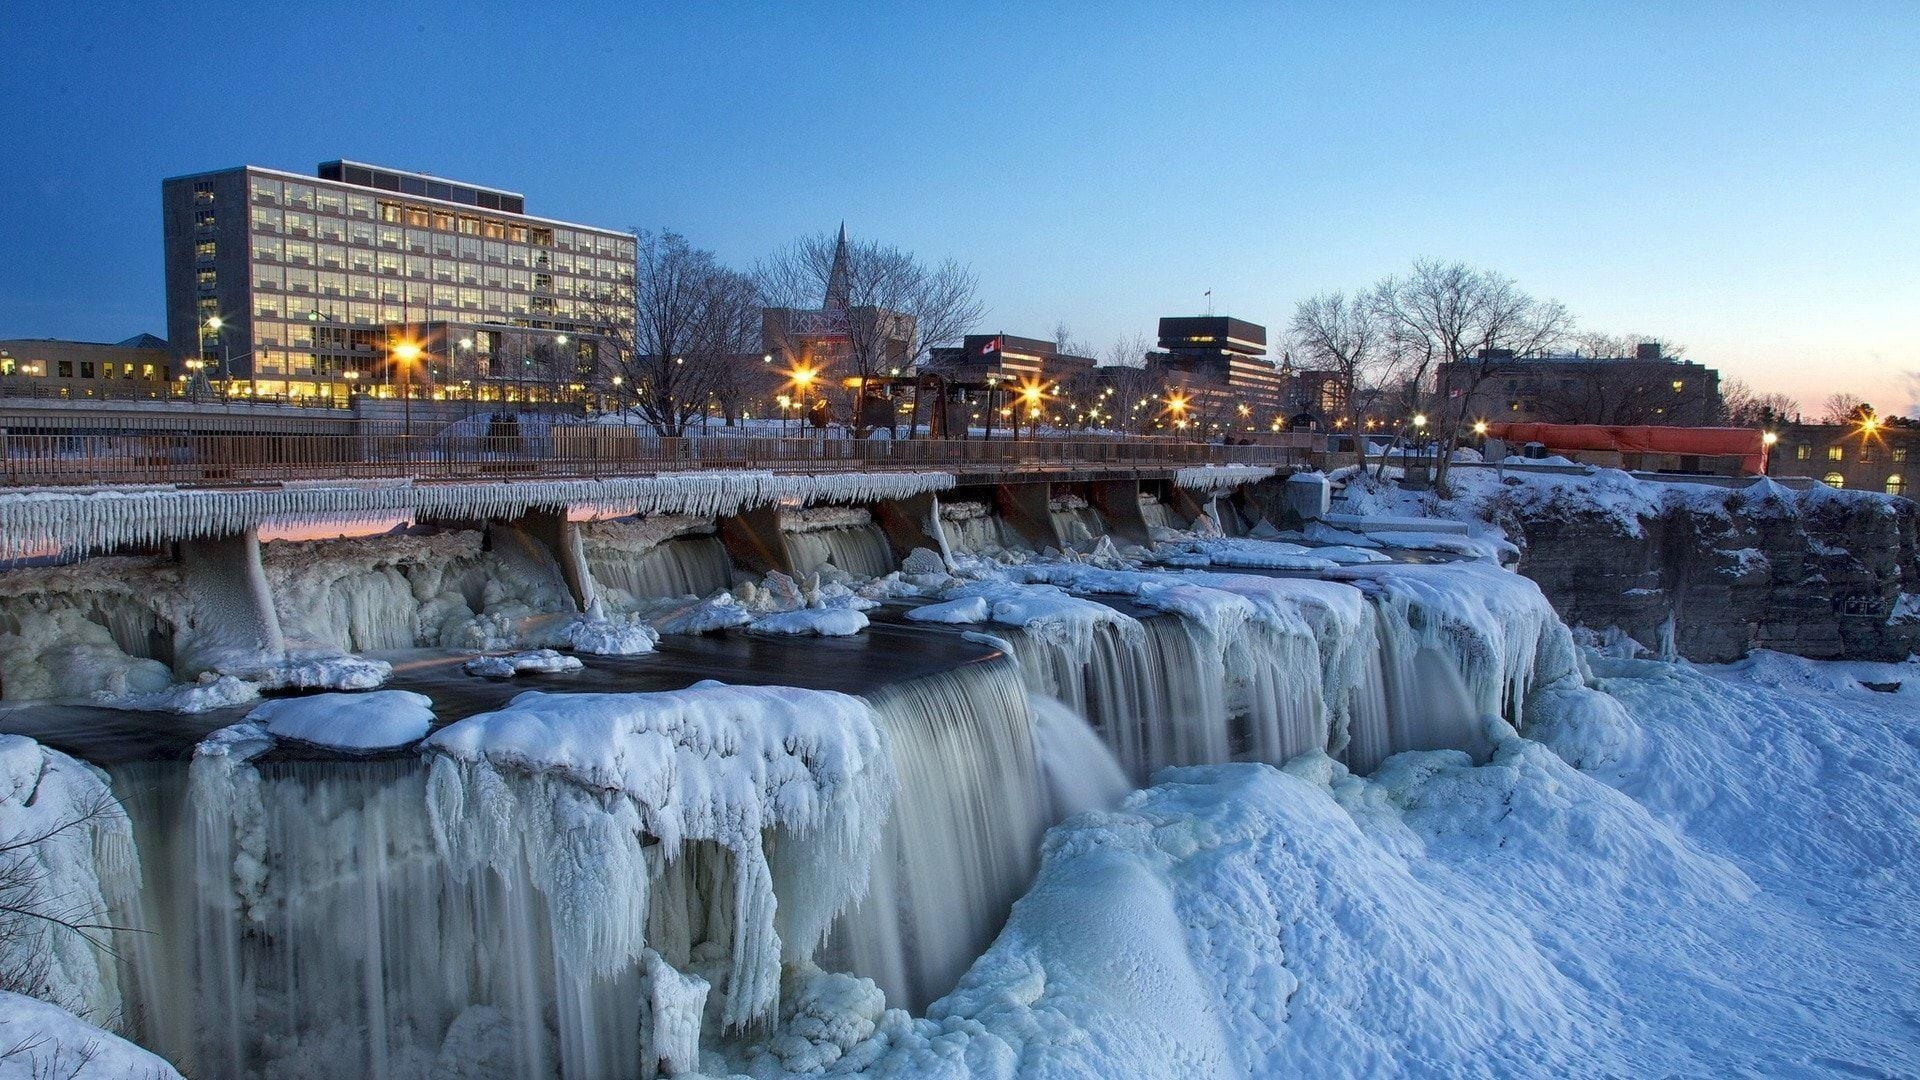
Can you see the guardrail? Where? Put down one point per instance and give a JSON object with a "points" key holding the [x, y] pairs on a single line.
{"points": [[573, 452]]}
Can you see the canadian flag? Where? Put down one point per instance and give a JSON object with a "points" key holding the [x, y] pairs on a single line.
{"points": [[992, 346]]}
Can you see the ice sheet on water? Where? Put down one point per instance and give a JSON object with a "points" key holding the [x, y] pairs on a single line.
{"points": [[353, 723]]}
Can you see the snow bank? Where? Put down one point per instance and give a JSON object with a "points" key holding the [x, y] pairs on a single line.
{"points": [[555, 782], [352, 723], [39, 1041]]}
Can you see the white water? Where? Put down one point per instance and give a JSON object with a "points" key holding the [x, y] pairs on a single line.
{"points": [[692, 565], [972, 528], [1076, 524]]}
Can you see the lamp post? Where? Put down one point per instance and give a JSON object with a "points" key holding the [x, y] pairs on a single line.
{"points": [[405, 353], [1767, 441]]}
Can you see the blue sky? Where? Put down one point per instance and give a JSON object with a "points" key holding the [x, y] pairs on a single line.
{"points": [[1741, 178]]}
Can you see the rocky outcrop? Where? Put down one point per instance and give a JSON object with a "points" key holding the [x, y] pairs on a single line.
{"points": [[1711, 573]]}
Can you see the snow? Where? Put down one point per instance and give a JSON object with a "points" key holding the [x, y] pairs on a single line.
{"points": [[39, 1041], [352, 723], [966, 609], [505, 667], [720, 612]]}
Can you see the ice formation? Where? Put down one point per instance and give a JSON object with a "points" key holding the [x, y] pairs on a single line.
{"points": [[1211, 478], [556, 782], [39, 1041], [34, 521], [66, 853]]}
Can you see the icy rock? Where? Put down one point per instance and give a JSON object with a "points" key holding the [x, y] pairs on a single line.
{"points": [[966, 609], [321, 673], [353, 723], [611, 636], [719, 612], [69, 853], [821, 622], [923, 561], [675, 1005], [544, 661], [211, 692]]}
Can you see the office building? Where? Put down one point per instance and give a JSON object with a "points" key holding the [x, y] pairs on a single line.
{"points": [[1883, 455], [285, 285], [1217, 374]]}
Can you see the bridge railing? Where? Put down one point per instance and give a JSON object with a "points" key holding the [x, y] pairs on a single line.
{"points": [[567, 451]]}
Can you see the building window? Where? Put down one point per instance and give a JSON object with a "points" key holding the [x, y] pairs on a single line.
{"points": [[86, 369], [205, 278], [1896, 486], [419, 218], [1802, 452], [1866, 455], [204, 220], [1899, 455], [1834, 479], [204, 250], [65, 368], [203, 192], [266, 191], [390, 213], [1836, 453]]}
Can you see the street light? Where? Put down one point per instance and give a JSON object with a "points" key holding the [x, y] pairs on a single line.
{"points": [[405, 354], [1480, 427]]}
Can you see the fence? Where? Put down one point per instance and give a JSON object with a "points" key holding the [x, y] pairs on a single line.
{"points": [[562, 451]]}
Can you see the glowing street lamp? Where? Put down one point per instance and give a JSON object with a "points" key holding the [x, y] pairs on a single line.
{"points": [[1420, 420], [406, 353], [1480, 427]]}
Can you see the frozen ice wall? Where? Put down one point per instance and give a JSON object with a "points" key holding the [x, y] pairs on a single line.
{"points": [[842, 537], [451, 588]]}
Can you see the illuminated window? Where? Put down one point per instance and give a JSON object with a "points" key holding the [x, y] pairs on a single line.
{"points": [[203, 250], [1834, 479], [1899, 455], [1895, 486], [1802, 452], [1836, 453]]}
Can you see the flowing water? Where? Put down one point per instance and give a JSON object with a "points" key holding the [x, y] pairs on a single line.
{"points": [[860, 550]]}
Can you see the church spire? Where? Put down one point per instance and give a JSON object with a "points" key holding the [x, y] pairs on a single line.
{"points": [[839, 283]]}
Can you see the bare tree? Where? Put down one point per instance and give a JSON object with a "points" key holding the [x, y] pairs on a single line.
{"points": [[1136, 383], [1345, 335], [1843, 408], [1741, 406], [1597, 345], [893, 307], [1454, 317], [694, 323]]}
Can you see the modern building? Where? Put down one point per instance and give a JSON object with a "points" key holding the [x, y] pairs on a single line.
{"points": [[1217, 374], [139, 367], [1646, 388], [992, 379], [1881, 456], [303, 287]]}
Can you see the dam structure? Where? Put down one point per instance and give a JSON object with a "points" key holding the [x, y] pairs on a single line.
{"points": [[609, 775]]}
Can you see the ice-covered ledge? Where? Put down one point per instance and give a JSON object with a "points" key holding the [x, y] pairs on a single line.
{"points": [[40, 521]]}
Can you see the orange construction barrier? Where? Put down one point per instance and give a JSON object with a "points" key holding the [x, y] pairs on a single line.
{"points": [[1743, 443]]}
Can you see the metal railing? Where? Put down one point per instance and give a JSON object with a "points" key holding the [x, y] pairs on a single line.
{"points": [[564, 451]]}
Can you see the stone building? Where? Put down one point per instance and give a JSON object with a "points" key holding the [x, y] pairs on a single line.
{"points": [[1878, 456], [139, 367]]}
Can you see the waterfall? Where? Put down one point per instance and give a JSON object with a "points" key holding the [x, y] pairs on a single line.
{"points": [[1081, 772], [1156, 514], [860, 550], [964, 840], [1075, 523], [98, 625], [972, 528], [694, 565]]}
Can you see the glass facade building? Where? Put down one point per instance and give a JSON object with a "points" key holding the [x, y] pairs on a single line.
{"points": [[282, 285]]}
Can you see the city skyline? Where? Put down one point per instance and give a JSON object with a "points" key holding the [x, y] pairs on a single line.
{"points": [[1737, 180]]}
